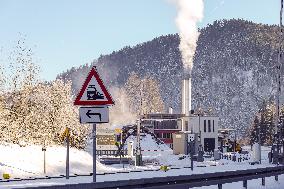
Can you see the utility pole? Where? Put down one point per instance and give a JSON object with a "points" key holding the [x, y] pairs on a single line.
{"points": [[138, 146], [199, 97], [278, 130], [94, 153], [138, 161], [279, 77]]}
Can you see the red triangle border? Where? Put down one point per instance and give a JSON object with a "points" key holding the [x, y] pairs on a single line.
{"points": [[79, 102]]}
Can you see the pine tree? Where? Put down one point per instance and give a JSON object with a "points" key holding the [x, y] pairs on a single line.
{"points": [[269, 120], [262, 124], [265, 121], [254, 131]]}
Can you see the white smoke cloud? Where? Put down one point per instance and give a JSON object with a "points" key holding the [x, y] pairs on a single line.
{"points": [[190, 12], [120, 113]]}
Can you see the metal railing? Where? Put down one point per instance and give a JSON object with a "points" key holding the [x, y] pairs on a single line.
{"points": [[109, 152], [183, 181]]}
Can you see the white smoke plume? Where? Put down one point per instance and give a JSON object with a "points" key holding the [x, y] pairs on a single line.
{"points": [[120, 113], [190, 12]]}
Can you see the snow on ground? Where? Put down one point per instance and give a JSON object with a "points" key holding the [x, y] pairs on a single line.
{"points": [[21, 162], [28, 161], [148, 145]]}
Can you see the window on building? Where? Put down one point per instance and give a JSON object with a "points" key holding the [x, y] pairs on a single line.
{"points": [[204, 125], [209, 126], [213, 126], [168, 135], [186, 125]]}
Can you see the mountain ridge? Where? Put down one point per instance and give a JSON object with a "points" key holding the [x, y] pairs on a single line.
{"points": [[234, 69]]}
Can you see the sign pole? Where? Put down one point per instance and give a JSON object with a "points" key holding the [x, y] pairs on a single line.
{"points": [[44, 163], [94, 153], [67, 155], [191, 155], [44, 157], [95, 95]]}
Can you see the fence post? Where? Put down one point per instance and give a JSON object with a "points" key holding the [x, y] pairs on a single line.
{"points": [[276, 178], [219, 186], [245, 184], [263, 181]]}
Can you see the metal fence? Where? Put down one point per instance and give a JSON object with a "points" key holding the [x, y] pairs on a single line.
{"points": [[109, 152]]}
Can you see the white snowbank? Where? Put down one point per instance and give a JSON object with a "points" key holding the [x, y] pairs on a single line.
{"points": [[28, 161]]}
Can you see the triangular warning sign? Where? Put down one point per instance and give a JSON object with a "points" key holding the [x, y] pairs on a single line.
{"points": [[93, 91]]}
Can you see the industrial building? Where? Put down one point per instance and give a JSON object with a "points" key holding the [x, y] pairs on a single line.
{"points": [[201, 123], [162, 125], [205, 126]]}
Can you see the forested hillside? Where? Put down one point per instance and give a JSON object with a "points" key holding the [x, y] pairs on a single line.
{"points": [[234, 69]]}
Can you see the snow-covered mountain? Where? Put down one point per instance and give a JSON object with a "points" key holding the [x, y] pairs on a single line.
{"points": [[234, 69]]}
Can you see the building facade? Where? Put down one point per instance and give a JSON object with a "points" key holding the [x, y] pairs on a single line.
{"points": [[206, 126], [162, 125]]}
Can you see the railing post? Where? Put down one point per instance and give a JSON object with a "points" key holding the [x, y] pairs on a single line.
{"points": [[276, 178], [245, 184], [219, 186], [263, 181]]}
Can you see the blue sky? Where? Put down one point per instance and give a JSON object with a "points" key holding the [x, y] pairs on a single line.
{"points": [[66, 33]]}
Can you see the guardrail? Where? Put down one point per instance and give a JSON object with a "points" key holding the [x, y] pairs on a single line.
{"points": [[181, 182]]}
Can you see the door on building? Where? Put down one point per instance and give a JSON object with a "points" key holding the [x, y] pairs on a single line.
{"points": [[209, 144]]}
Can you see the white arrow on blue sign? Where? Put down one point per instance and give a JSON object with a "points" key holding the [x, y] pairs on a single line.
{"points": [[94, 114]]}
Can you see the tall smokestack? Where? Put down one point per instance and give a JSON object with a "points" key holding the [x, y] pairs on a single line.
{"points": [[186, 96], [189, 13]]}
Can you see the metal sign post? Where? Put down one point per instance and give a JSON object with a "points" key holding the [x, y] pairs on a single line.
{"points": [[94, 153], [44, 157], [44, 162], [191, 156], [94, 95]]}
